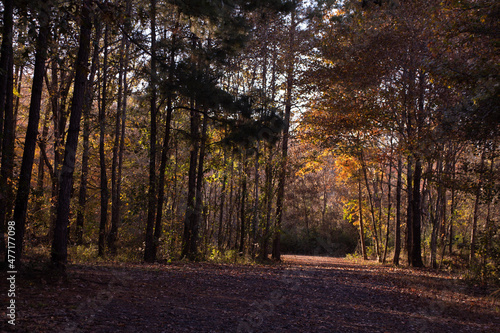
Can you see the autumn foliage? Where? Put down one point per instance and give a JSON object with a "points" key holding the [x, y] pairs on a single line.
{"points": [[206, 129]]}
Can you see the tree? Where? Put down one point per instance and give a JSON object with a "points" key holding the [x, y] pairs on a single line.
{"points": [[290, 63], [119, 140], [89, 97], [23, 188], [5, 58], [6, 120], [399, 185], [59, 243], [58, 85], [102, 156], [149, 251]]}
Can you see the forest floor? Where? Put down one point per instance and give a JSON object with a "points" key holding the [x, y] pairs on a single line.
{"points": [[302, 294]]}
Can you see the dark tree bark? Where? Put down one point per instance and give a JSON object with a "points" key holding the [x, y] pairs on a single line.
{"points": [[119, 144], [231, 205], [42, 144], [58, 138], [60, 241], [269, 172], [7, 136], [447, 230], [102, 155], [220, 239], [161, 179], [222, 202], [439, 214], [409, 87], [191, 217], [453, 204], [243, 199], [389, 204], [165, 151], [475, 216], [89, 97], [122, 146], [361, 224], [489, 223], [372, 208], [59, 87], [276, 253], [198, 207], [255, 209], [149, 251], [5, 60], [399, 186], [19, 79], [268, 194], [416, 253], [174, 189], [409, 209], [23, 189], [115, 196]]}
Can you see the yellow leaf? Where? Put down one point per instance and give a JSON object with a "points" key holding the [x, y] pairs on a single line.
{"points": [[16, 93]]}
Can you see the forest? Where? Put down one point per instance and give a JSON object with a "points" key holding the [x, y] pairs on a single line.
{"points": [[202, 129]]}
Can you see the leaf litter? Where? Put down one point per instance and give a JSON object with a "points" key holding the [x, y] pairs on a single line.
{"points": [[301, 294]]}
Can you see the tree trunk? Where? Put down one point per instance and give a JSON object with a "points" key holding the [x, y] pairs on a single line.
{"points": [[266, 234], [255, 219], [416, 252], [5, 63], [117, 144], [276, 254], [59, 90], [174, 193], [102, 154], [220, 239], [452, 208], [450, 170], [59, 244], [269, 203], [89, 97], [416, 255], [42, 143], [115, 205], [325, 201], [378, 193], [489, 226], [475, 216], [438, 217], [409, 209], [149, 251], [199, 186], [399, 186], [19, 80], [164, 153], [161, 182], [243, 199], [23, 189], [372, 208], [7, 124], [191, 217], [232, 205], [389, 205], [361, 225]]}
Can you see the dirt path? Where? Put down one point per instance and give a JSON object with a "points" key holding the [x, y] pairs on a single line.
{"points": [[304, 294]]}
